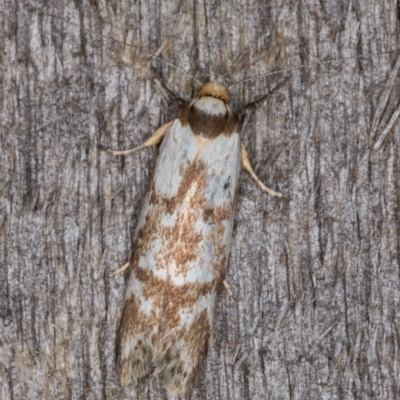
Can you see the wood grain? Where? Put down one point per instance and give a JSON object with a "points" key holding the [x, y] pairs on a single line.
{"points": [[316, 278]]}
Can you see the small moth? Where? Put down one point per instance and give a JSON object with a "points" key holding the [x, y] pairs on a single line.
{"points": [[182, 241]]}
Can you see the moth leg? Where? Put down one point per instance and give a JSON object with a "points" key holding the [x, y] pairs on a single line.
{"points": [[246, 164], [229, 290], [153, 140], [119, 270]]}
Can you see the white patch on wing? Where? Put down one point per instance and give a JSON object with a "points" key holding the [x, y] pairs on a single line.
{"points": [[169, 220], [177, 148]]}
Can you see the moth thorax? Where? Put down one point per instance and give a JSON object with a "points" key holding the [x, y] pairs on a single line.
{"points": [[209, 115]]}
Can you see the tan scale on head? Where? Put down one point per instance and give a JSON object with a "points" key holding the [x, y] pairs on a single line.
{"points": [[214, 89]]}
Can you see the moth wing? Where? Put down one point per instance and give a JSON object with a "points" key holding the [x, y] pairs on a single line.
{"points": [[180, 253]]}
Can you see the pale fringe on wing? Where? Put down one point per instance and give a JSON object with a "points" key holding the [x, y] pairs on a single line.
{"points": [[135, 359]]}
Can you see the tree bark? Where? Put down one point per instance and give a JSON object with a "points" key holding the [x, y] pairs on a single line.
{"points": [[316, 277]]}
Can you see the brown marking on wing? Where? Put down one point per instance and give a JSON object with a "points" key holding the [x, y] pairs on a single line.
{"points": [[181, 242], [183, 297]]}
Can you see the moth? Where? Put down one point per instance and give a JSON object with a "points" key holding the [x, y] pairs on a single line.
{"points": [[182, 241]]}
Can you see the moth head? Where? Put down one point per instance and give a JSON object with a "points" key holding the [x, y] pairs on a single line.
{"points": [[216, 90]]}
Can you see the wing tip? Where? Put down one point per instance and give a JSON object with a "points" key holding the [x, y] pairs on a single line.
{"points": [[134, 360], [179, 374]]}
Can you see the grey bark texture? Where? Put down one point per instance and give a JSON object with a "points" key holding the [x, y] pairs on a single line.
{"points": [[316, 278]]}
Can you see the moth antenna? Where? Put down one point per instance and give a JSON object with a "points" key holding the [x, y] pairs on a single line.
{"points": [[305, 66], [154, 56]]}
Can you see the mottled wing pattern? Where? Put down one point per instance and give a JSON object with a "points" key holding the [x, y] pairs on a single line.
{"points": [[179, 258]]}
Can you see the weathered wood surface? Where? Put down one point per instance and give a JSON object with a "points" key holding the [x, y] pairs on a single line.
{"points": [[316, 278]]}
